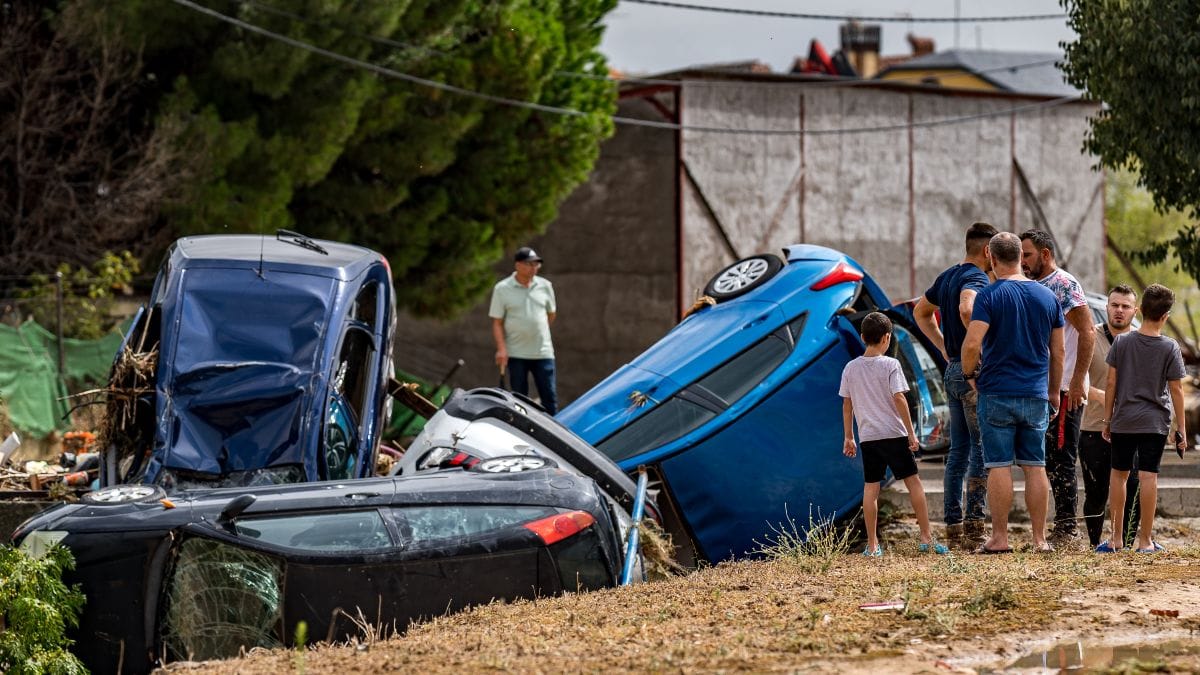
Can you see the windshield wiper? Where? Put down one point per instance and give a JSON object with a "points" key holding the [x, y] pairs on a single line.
{"points": [[300, 240]]}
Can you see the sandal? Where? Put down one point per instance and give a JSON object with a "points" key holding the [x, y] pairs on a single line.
{"points": [[1106, 547], [1154, 548], [877, 553], [933, 546]]}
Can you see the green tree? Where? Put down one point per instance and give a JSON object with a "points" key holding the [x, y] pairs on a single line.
{"points": [[439, 182], [1142, 59], [36, 608]]}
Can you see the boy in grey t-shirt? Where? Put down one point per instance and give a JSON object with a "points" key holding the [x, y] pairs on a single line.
{"points": [[873, 389], [1142, 367]]}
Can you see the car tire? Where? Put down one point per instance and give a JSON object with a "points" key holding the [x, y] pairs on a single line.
{"points": [[115, 495], [513, 464], [743, 276]]}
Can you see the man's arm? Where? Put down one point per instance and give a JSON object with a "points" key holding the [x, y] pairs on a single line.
{"points": [[1058, 354], [1081, 318], [501, 348], [923, 314], [966, 303], [550, 318], [1109, 403], [973, 346], [848, 447]]}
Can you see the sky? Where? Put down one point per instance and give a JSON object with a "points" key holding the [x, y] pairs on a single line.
{"points": [[644, 39]]}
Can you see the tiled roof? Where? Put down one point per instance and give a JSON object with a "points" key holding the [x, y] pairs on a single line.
{"points": [[1007, 70]]}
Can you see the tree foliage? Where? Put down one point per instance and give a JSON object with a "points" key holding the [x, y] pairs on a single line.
{"points": [[88, 295], [1142, 59], [36, 608], [439, 182], [80, 171]]}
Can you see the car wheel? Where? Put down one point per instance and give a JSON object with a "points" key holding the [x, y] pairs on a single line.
{"points": [[123, 494], [743, 276], [513, 464]]}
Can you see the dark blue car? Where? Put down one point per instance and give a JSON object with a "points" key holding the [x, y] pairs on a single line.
{"points": [[258, 360], [736, 410]]}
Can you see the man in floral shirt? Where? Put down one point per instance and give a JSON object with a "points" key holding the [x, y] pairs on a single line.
{"points": [[1062, 436]]}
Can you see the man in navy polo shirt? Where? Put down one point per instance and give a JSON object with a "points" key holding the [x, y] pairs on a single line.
{"points": [[953, 293], [1017, 329]]}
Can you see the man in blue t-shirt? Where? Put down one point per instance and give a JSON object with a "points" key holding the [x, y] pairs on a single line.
{"points": [[953, 293], [1017, 329]]}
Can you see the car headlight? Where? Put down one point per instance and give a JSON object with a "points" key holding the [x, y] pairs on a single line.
{"points": [[37, 543]]}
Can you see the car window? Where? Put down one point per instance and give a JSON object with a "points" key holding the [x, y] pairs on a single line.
{"points": [[927, 402], [420, 524], [336, 531], [711, 394], [673, 418], [341, 440], [365, 305]]}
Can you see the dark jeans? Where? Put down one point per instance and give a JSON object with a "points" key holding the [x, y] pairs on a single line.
{"points": [[1095, 456], [543, 377], [965, 457], [1062, 453]]}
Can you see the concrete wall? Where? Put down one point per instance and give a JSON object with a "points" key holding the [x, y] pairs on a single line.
{"points": [[611, 257], [897, 200]]}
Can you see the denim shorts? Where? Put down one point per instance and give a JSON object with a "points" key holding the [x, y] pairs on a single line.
{"points": [[1013, 430]]}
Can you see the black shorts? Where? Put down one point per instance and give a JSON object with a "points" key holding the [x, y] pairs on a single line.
{"points": [[1148, 448], [877, 456]]}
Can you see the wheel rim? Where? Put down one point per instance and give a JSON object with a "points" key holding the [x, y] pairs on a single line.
{"points": [[512, 464], [740, 275], [125, 493]]}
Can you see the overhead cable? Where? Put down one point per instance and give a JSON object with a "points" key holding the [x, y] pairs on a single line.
{"points": [[850, 17], [835, 82], [627, 121]]}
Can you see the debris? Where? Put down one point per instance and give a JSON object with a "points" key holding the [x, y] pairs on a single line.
{"points": [[1173, 613], [896, 605]]}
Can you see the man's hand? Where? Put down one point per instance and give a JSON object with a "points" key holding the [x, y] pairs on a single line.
{"points": [[848, 448], [502, 358], [1106, 434], [913, 445], [1182, 445], [1053, 410], [1076, 394]]}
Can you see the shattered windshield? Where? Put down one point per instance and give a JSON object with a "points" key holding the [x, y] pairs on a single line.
{"points": [[325, 532]]}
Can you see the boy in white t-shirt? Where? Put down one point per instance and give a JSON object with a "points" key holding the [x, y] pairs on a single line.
{"points": [[873, 389]]}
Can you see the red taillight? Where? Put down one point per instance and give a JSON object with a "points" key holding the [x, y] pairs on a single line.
{"points": [[462, 459], [840, 272], [556, 528]]}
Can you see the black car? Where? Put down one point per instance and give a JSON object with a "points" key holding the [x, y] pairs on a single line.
{"points": [[206, 573]]}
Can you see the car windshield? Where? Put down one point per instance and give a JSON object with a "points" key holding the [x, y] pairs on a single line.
{"points": [[327, 532]]}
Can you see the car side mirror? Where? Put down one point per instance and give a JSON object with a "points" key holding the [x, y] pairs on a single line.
{"points": [[234, 509]]}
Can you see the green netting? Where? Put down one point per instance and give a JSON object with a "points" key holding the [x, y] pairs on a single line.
{"points": [[30, 387], [404, 421]]}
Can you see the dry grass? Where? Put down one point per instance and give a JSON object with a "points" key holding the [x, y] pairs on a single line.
{"points": [[770, 615]]}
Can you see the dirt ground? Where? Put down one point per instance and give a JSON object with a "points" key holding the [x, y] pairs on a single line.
{"points": [[961, 613]]}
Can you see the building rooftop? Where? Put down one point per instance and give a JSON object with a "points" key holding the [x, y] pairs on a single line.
{"points": [[1009, 71]]}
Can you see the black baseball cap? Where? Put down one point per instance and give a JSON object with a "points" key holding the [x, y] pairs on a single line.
{"points": [[526, 254]]}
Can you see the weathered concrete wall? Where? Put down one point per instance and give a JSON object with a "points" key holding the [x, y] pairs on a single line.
{"points": [[611, 257], [897, 200]]}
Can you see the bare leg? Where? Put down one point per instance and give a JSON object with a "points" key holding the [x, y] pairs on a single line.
{"points": [[916, 494], [1037, 502], [1000, 496], [1116, 507], [1149, 490], [871, 513]]}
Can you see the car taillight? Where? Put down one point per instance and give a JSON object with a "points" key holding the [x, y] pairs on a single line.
{"points": [[559, 527], [447, 458], [841, 272]]}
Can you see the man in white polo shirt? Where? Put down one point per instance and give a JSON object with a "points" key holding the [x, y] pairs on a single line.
{"points": [[522, 310]]}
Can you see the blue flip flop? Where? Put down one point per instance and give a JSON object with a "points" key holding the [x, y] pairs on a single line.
{"points": [[1106, 547], [937, 548], [877, 553], [1154, 548]]}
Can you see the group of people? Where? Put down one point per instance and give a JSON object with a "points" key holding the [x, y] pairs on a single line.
{"points": [[1030, 382]]}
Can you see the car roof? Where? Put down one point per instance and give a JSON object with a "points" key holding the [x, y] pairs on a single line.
{"points": [[339, 261]]}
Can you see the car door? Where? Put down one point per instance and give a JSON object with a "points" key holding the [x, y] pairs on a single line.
{"points": [[927, 401]]}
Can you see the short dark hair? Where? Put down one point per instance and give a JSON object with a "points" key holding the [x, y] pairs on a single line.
{"points": [[1042, 241], [1157, 300], [874, 327], [1005, 249], [1123, 289], [978, 235]]}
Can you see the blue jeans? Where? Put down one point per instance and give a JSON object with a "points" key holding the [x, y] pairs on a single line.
{"points": [[543, 378], [1013, 429], [965, 458]]}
